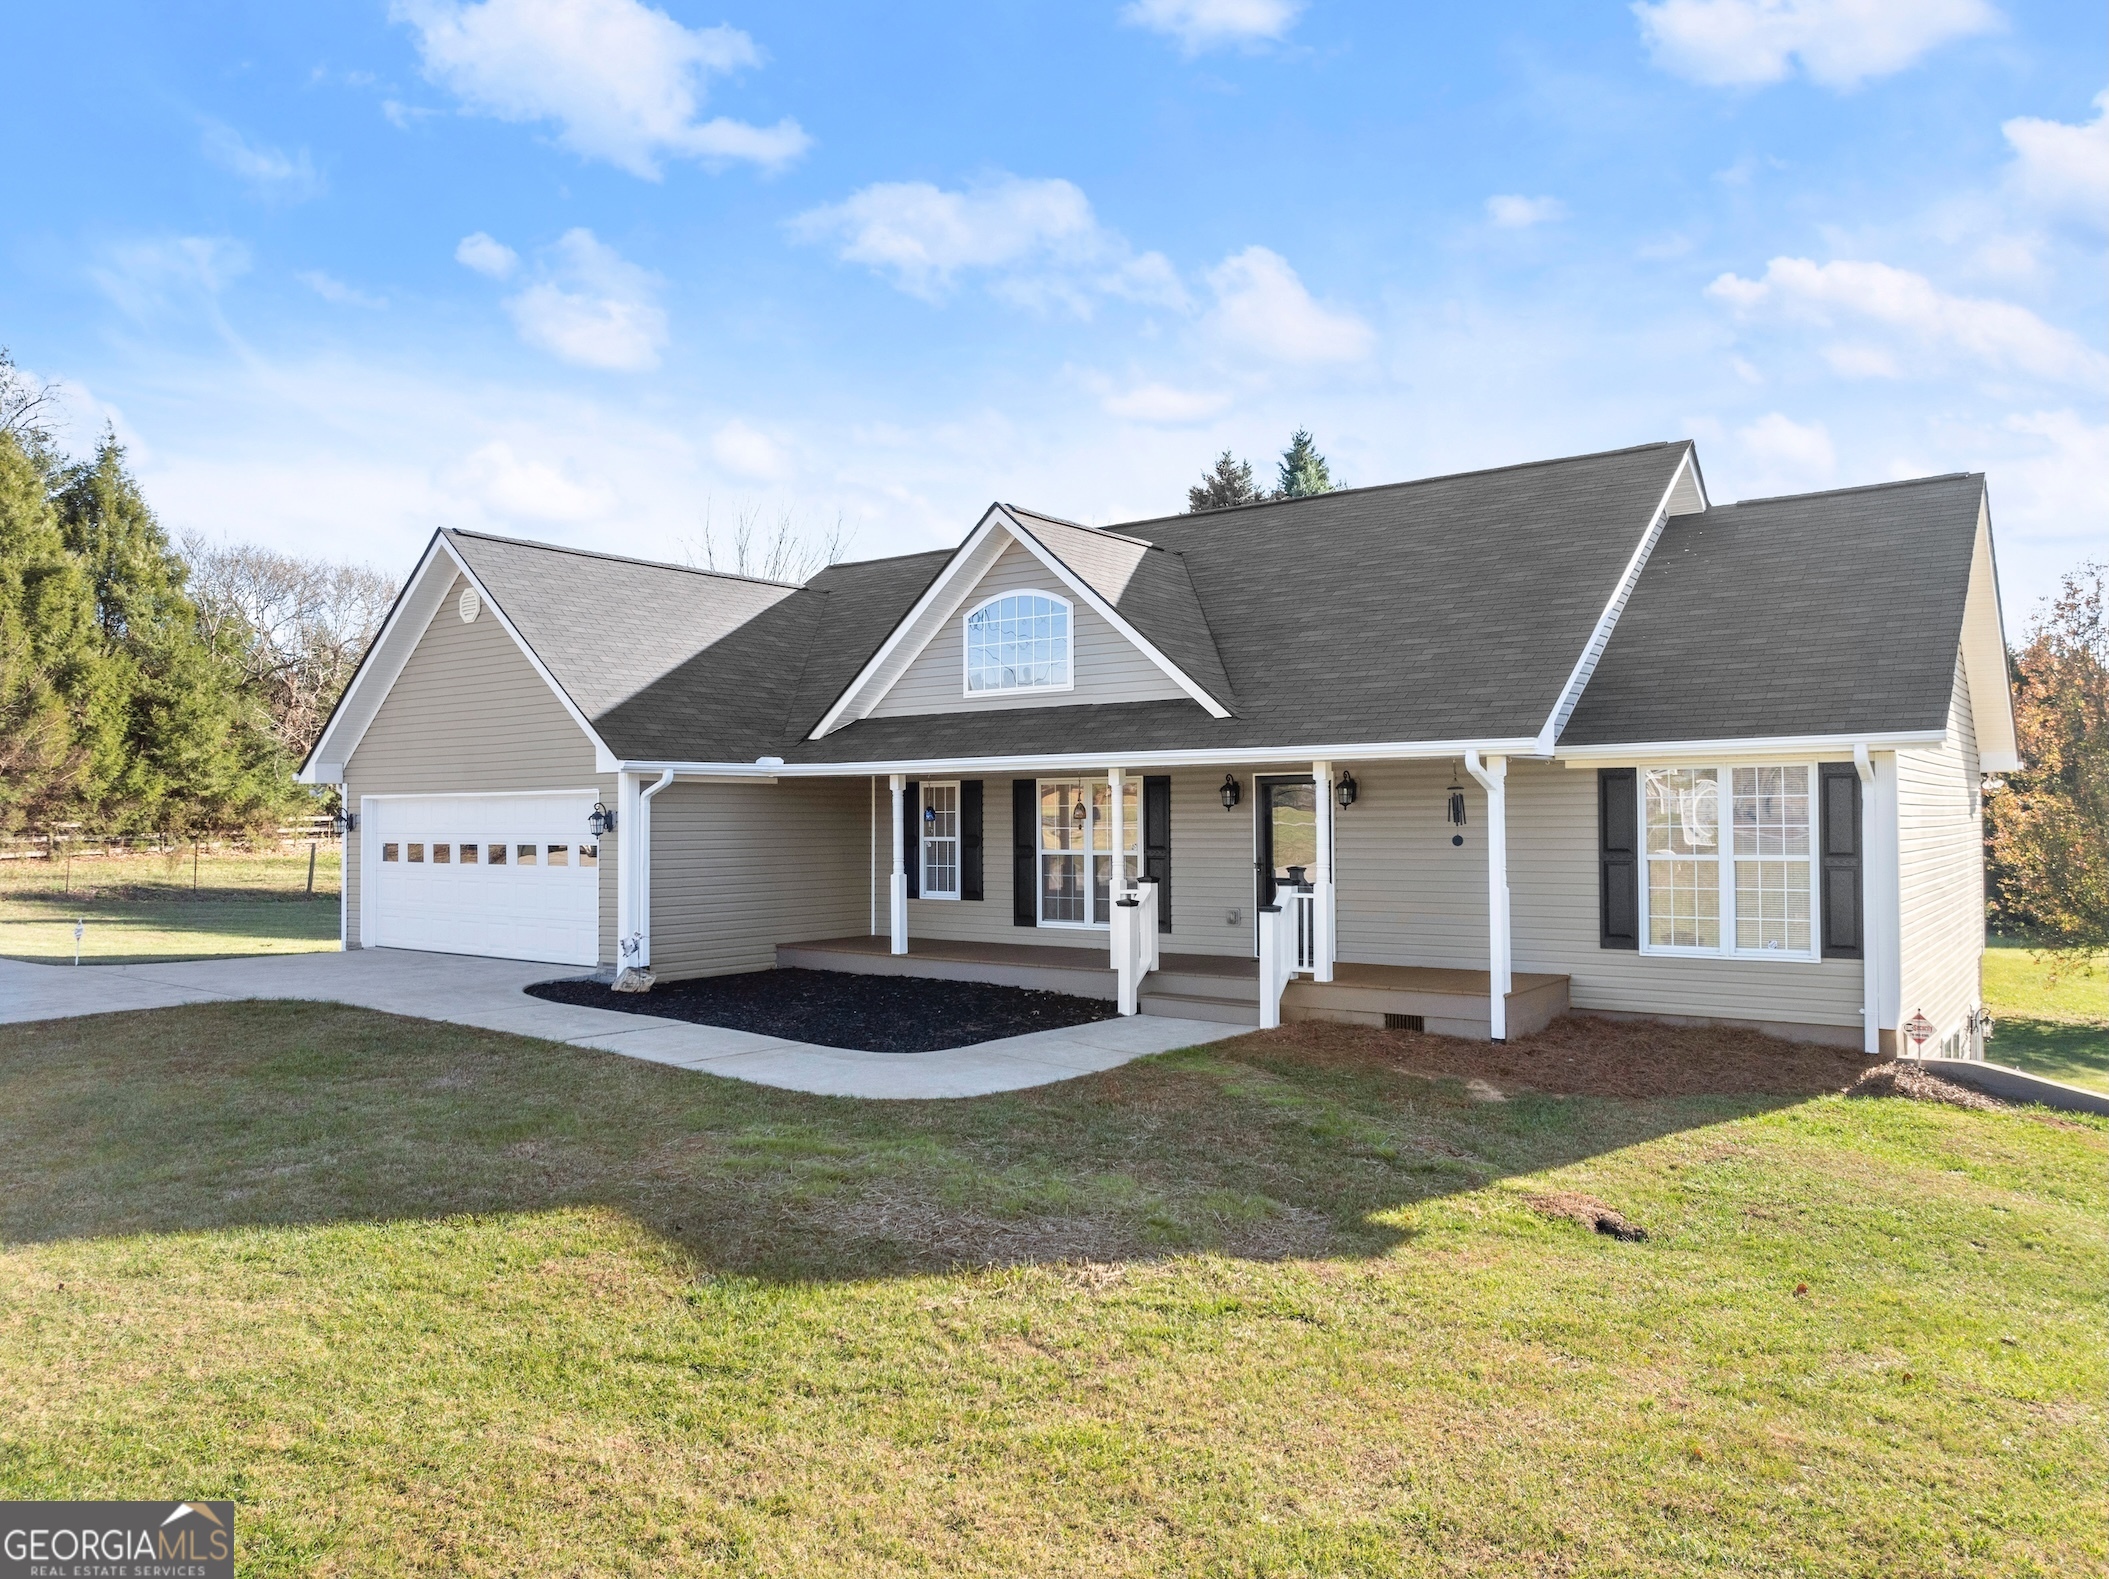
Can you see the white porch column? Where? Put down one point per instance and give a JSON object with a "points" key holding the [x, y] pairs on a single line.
{"points": [[1120, 938], [897, 894], [1117, 887], [1322, 876], [1492, 775]]}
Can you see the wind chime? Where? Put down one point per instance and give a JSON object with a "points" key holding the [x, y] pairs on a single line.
{"points": [[1454, 813]]}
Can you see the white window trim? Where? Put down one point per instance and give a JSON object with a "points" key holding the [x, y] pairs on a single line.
{"points": [[1041, 853], [1726, 859], [966, 672], [923, 842]]}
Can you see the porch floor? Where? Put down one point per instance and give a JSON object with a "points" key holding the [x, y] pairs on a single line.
{"points": [[1216, 987]]}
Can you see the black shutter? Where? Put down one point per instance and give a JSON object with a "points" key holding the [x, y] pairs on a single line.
{"points": [[912, 836], [970, 838], [1841, 859], [1617, 858], [1157, 841], [1025, 834]]}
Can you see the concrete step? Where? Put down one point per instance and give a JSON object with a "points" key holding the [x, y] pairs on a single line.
{"points": [[1193, 1006], [1204, 984]]}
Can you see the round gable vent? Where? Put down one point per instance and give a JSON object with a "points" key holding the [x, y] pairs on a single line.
{"points": [[470, 605]]}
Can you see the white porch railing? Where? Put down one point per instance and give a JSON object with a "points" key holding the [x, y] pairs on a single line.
{"points": [[1288, 946], [1133, 925]]}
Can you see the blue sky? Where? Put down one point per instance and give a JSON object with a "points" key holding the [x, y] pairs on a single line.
{"points": [[582, 270]]}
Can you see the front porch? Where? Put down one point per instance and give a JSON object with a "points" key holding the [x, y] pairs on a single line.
{"points": [[1216, 987]]}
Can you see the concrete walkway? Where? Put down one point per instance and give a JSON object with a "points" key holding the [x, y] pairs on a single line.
{"points": [[464, 990]]}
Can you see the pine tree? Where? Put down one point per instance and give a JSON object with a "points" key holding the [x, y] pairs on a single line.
{"points": [[48, 645], [1229, 483], [1303, 470]]}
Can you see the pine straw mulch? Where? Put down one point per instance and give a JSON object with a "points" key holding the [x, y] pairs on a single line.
{"points": [[1909, 1080], [1583, 1056]]}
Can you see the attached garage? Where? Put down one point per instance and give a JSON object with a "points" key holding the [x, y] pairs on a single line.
{"points": [[515, 876]]}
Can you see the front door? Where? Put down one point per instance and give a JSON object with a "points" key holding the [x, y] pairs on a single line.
{"points": [[1287, 834]]}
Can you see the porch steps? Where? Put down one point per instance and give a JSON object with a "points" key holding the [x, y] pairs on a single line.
{"points": [[1227, 995]]}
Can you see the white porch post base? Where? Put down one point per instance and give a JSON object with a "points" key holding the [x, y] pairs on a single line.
{"points": [[897, 893]]}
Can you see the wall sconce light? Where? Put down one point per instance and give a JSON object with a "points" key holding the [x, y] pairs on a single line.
{"points": [[1346, 790], [347, 822], [600, 820], [1230, 793]]}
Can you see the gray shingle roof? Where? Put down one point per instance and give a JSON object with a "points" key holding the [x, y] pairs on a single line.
{"points": [[1451, 608], [1827, 613]]}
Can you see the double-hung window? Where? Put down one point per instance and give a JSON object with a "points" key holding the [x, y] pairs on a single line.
{"points": [[939, 818], [1729, 867], [1076, 848], [1018, 641]]}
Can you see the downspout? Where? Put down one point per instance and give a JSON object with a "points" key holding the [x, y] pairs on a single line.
{"points": [[1492, 775], [637, 944], [1870, 953]]}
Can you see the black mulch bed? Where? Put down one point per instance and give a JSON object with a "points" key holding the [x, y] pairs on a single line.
{"points": [[879, 1014]]}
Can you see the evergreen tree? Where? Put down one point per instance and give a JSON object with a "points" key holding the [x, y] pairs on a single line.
{"points": [[171, 739], [1229, 483], [48, 645], [1303, 470]]}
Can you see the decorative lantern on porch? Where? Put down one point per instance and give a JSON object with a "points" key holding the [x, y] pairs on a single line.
{"points": [[1346, 790], [1231, 793], [600, 820]]}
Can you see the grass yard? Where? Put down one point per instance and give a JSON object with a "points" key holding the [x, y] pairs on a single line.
{"points": [[426, 1299], [145, 907], [2052, 1014]]}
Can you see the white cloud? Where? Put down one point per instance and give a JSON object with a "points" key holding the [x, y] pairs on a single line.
{"points": [[1262, 307], [1784, 456], [486, 255], [624, 82], [1039, 239], [2059, 485], [336, 292], [592, 307], [142, 276], [1207, 24], [2064, 168], [748, 452], [2000, 334], [1856, 359], [1520, 213], [270, 171], [1839, 43], [509, 486], [1165, 405]]}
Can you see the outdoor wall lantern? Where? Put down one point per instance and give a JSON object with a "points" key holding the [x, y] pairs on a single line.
{"points": [[1346, 790], [600, 821], [1230, 792], [347, 822]]}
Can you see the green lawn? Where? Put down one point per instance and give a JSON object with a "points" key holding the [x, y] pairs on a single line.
{"points": [[152, 907], [427, 1299], [2052, 1013]]}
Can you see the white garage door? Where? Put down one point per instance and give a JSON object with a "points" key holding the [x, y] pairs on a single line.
{"points": [[516, 876]]}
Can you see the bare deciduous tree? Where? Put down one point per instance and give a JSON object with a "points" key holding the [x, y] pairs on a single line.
{"points": [[28, 406], [782, 551], [298, 626]]}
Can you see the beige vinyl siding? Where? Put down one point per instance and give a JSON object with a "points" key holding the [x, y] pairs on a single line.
{"points": [[469, 715], [1107, 667], [1940, 878], [1404, 894], [1554, 922], [740, 868]]}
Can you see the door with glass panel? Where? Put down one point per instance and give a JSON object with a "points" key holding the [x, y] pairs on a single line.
{"points": [[1286, 833], [1076, 848]]}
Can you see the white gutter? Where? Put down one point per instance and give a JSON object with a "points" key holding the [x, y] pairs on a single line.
{"points": [[1870, 970], [633, 850], [1748, 746], [1232, 756]]}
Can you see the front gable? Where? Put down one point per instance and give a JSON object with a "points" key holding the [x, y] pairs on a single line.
{"points": [[920, 668]]}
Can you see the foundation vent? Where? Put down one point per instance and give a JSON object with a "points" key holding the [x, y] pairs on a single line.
{"points": [[1405, 1022]]}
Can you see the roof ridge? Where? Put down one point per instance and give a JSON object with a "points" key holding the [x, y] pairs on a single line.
{"points": [[1096, 531], [1858, 487], [1411, 482], [619, 559]]}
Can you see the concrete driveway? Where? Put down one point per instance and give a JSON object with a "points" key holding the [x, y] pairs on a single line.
{"points": [[486, 993]]}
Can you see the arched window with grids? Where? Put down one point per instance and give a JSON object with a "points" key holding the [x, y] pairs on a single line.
{"points": [[1018, 641]]}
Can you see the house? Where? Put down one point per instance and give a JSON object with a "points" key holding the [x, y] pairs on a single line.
{"points": [[1461, 753]]}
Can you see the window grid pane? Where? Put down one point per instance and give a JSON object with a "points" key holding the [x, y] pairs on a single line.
{"points": [[1772, 811], [1018, 642], [1684, 903], [1772, 905]]}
